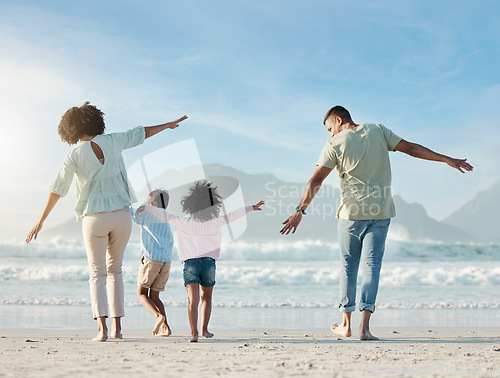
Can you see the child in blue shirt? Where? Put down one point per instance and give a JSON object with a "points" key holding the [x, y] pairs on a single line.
{"points": [[156, 256]]}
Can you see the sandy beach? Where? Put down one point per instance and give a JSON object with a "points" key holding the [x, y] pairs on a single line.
{"points": [[400, 352]]}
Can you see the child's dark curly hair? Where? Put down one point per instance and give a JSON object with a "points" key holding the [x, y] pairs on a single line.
{"points": [[203, 202], [80, 121]]}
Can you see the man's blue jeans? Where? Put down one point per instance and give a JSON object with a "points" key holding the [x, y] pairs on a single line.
{"points": [[361, 241]]}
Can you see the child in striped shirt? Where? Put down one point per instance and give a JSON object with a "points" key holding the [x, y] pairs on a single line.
{"points": [[156, 255]]}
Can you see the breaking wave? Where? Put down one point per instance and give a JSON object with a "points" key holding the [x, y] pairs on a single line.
{"points": [[304, 250], [393, 274]]}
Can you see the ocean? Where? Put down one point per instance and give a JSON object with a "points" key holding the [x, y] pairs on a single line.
{"points": [[290, 285]]}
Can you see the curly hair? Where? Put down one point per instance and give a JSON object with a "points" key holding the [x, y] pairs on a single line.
{"points": [[155, 198], [203, 202], [80, 121]]}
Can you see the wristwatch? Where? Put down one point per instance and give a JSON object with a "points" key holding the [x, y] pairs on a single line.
{"points": [[299, 208]]}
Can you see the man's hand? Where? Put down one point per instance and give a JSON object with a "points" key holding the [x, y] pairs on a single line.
{"points": [[421, 152], [291, 223], [312, 187], [258, 205], [460, 164]]}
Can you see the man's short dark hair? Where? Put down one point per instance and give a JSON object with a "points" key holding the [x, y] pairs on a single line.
{"points": [[338, 111], [80, 121]]}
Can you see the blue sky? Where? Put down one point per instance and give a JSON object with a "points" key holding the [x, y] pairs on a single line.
{"points": [[255, 79]]}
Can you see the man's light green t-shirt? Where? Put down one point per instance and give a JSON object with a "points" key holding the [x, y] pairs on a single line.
{"points": [[361, 158]]}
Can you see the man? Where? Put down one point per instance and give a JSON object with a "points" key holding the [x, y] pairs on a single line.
{"points": [[360, 155]]}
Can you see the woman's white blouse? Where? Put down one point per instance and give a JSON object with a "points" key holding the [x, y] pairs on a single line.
{"points": [[99, 187]]}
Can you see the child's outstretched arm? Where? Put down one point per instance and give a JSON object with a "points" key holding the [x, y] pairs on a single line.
{"points": [[258, 206], [161, 214], [136, 216], [236, 214]]}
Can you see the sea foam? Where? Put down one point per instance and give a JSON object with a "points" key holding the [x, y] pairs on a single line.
{"points": [[276, 274], [302, 250]]}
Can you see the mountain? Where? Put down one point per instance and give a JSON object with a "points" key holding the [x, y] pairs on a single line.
{"points": [[480, 215], [412, 222], [281, 199]]}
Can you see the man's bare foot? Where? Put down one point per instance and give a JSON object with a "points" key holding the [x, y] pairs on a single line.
{"points": [[341, 330], [207, 334], [159, 321], [194, 339], [101, 336], [165, 330], [366, 335]]}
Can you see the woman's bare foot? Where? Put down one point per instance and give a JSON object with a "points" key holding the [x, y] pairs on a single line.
{"points": [[194, 339], [207, 334], [159, 321], [366, 335], [101, 336], [165, 330], [116, 329], [341, 330], [117, 335], [102, 329]]}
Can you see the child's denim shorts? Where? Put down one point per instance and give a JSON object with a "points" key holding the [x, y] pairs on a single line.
{"points": [[200, 271]]}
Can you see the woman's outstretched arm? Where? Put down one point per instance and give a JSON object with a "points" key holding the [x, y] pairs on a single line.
{"points": [[152, 130], [51, 202]]}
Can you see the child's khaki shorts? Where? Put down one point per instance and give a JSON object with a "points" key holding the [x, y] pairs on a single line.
{"points": [[153, 274]]}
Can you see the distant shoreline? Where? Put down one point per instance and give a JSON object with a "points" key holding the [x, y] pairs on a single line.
{"points": [[137, 318]]}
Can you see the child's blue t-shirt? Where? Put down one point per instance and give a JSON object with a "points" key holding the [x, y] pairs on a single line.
{"points": [[156, 237]]}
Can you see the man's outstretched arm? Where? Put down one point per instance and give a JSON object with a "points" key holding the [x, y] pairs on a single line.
{"points": [[312, 188], [421, 152]]}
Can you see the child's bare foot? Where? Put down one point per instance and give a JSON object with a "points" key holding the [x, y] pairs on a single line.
{"points": [[101, 336], [165, 330], [207, 334], [341, 330], [159, 321], [194, 339], [366, 335]]}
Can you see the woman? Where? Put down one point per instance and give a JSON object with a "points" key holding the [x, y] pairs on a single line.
{"points": [[103, 199]]}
